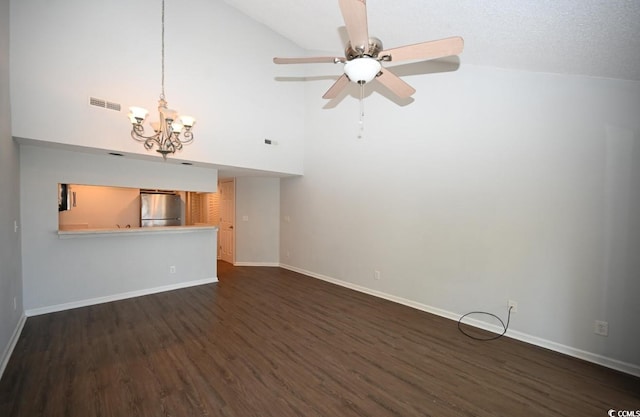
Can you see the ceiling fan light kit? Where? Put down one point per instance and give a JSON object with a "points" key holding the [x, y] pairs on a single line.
{"points": [[362, 70], [362, 62]]}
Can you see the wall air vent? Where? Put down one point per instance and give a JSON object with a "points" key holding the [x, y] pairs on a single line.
{"points": [[98, 102], [113, 106]]}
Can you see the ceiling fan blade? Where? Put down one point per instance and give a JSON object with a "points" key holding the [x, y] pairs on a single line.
{"points": [[310, 60], [354, 13], [395, 84], [425, 50], [337, 87]]}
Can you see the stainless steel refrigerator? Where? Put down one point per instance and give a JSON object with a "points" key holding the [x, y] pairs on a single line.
{"points": [[160, 209]]}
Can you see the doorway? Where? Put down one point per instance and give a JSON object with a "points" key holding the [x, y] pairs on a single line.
{"points": [[226, 246], [216, 209]]}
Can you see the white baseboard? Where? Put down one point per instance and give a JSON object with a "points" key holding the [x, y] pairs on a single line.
{"points": [[116, 297], [625, 367], [6, 355], [276, 264]]}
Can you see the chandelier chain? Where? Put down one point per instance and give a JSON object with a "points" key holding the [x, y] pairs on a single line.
{"points": [[162, 93]]}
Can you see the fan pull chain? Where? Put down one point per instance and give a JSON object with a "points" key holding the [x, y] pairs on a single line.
{"points": [[361, 122]]}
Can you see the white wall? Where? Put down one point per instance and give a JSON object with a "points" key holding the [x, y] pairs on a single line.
{"points": [[219, 69], [257, 221], [10, 274], [491, 185], [67, 271]]}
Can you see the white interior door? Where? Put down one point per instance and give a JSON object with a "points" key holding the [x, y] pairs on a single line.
{"points": [[227, 220]]}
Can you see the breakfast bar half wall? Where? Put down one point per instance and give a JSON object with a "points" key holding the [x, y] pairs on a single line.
{"points": [[60, 272]]}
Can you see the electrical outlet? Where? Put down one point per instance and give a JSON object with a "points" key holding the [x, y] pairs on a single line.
{"points": [[601, 328], [172, 269], [15, 304], [513, 305], [376, 274]]}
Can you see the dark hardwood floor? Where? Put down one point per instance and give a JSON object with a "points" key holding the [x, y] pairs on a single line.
{"points": [[270, 342]]}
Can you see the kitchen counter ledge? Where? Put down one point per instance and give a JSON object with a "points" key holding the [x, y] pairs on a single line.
{"points": [[67, 234]]}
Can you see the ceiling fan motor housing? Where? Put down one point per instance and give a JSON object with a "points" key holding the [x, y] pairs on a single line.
{"points": [[364, 55], [375, 46]]}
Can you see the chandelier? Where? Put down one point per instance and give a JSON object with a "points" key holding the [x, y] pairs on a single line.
{"points": [[168, 130]]}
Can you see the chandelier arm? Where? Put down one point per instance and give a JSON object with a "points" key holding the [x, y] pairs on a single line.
{"points": [[149, 143], [137, 133], [171, 146], [188, 137]]}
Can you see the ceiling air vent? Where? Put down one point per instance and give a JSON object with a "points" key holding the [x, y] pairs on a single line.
{"points": [[98, 102]]}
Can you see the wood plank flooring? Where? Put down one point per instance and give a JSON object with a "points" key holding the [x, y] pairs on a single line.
{"points": [[270, 342]]}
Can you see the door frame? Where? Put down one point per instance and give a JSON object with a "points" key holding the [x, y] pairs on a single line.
{"points": [[232, 226]]}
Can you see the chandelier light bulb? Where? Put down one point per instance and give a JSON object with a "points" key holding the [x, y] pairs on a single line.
{"points": [[137, 113], [169, 114], [188, 121]]}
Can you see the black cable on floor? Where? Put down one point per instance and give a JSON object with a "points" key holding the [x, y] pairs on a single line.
{"points": [[505, 327]]}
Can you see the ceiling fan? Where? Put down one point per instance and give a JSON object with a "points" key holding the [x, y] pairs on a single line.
{"points": [[364, 54]]}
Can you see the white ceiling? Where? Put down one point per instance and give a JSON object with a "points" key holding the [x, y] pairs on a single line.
{"points": [[590, 37]]}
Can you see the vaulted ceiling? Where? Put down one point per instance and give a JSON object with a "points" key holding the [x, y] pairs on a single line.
{"points": [[590, 37]]}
